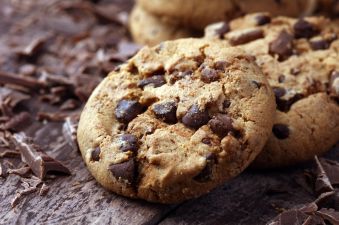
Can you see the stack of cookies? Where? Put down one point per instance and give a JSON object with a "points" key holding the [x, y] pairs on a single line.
{"points": [[182, 117]]}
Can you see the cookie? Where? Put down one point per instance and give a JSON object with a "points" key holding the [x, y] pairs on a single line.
{"points": [[176, 120], [147, 29], [200, 13], [300, 59]]}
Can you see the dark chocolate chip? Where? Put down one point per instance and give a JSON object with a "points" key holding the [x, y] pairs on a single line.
{"points": [[281, 131], [256, 83], [226, 104], [319, 44], [95, 154], [166, 111], [221, 65], [281, 78], [206, 173], [128, 142], [295, 71], [133, 69], [304, 29], [127, 110], [195, 118], [209, 75], [279, 92], [206, 141], [282, 46], [247, 36], [125, 170], [222, 30], [221, 124], [262, 19], [156, 81]]}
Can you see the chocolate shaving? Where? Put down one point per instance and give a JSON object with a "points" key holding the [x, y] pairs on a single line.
{"points": [[9, 99], [27, 82], [9, 154], [33, 47], [38, 161], [23, 171], [18, 122]]}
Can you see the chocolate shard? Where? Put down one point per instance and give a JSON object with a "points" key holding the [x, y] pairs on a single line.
{"points": [[322, 183], [9, 99], [125, 171], [282, 46], [39, 162], [195, 118]]}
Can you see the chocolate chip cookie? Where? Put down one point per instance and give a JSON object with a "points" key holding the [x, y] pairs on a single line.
{"points": [[176, 120], [199, 13], [300, 58], [147, 29]]}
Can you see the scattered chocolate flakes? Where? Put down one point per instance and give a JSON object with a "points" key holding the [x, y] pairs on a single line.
{"points": [[282, 46], [221, 124], [125, 171], [206, 173], [128, 142], [166, 111], [156, 81], [95, 154], [39, 162], [9, 99], [245, 36], [27, 82], [127, 110], [262, 19], [222, 30], [18, 122], [304, 29], [195, 118], [281, 131], [209, 75]]}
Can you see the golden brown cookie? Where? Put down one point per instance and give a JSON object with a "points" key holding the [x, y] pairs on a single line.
{"points": [[176, 120], [300, 58]]}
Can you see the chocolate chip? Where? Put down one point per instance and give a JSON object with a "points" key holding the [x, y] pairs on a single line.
{"points": [[226, 104], [281, 131], [284, 105], [127, 110], [95, 154], [221, 124], [295, 71], [304, 29], [282, 46], [319, 44], [209, 75], [334, 83], [222, 30], [256, 83], [166, 111], [221, 65], [206, 173], [195, 118], [125, 170], [262, 19], [206, 141], [178, 75], [156, 81], [128, 142], [281, 78], [279, 92], [245, 36]]}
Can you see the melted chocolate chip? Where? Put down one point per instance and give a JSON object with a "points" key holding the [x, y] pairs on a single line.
{"points": [[127, 110], [209, 75], [95, 154], [221, 124], [319, 44], [206, 173], [166, 111], [128, 142], [282, 46], [195, 118], [281, 131], [156, 81], [246, 36], [222, 30], [304, 29], [262, 19], [125, 170], [221, 65], [281, 78]]}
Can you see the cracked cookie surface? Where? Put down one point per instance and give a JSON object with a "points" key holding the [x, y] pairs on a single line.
{"points": [[176, 120], [200, 13], [300, 59]]}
